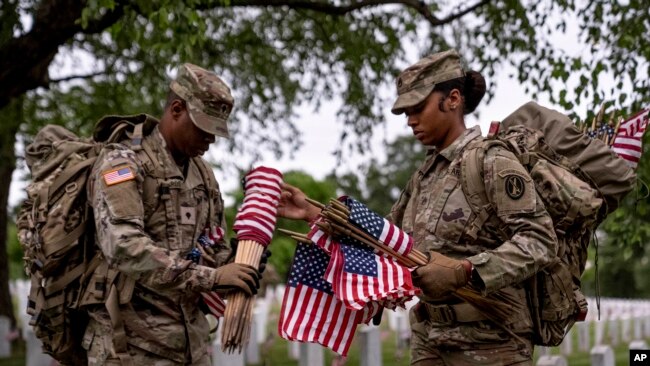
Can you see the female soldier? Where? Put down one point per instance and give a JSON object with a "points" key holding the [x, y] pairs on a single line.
{"points": [[494, 253]]}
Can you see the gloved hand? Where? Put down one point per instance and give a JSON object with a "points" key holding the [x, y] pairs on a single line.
{"points": [[442, 275], [236, 276], [265, 258]]}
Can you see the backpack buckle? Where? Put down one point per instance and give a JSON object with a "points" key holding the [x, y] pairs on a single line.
{"points": [[71, 188]]}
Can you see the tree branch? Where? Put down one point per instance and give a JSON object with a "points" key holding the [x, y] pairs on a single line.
{"points": [[72, 77], [328, 8]]}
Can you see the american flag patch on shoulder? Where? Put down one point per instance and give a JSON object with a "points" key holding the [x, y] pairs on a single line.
{"points": [[118, 175]]}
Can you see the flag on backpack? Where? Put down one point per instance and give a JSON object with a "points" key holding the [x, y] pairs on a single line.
{"points": [[629, 139]]}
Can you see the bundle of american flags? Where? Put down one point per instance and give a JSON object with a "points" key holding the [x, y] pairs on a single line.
{"points": [[254, 224], [625, 137], [310, 310], [369, 262], [628, 142]]}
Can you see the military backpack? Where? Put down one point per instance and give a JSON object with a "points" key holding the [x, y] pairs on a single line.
{"points": [[56, 230], [580, 180]]}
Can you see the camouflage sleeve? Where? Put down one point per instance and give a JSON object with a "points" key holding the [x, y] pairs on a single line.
{"points": [[115, 193], [532, 244]]}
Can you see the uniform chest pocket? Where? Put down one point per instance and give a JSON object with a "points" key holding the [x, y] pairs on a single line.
{"points": [[449, 212], [190, 203]]}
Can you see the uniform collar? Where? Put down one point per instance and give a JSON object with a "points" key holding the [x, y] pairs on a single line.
{"points": [[167, 162], [452, 151]]}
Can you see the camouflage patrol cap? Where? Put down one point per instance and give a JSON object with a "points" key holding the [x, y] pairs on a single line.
{"points": [[416, 82], [208, 98]]}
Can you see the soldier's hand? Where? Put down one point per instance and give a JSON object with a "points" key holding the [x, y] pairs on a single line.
{"points": [[441, 276], [293, 204], [264, 260], [236, 276]]}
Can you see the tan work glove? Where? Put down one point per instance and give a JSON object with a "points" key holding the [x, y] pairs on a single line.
{"points": [[236, 276], [441, 276]]}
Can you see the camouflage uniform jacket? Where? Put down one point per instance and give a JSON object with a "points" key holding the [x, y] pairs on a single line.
{"points": [[434, 209], [145, 228]]}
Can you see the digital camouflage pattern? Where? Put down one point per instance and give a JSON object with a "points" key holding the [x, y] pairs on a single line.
{"points": [[434, 210], [145, 227], [208, 98], [416, 82]]}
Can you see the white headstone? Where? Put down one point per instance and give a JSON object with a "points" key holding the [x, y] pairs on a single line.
{"points": [[294, 350], [370, 345], [261, 318], [613, 332], [637, 324], [547, 360], [566, 347], [34, 355], [252, 349], [600, 332], [5, 344], [602, 356], [583, 336], [639, 345], [311, 354], [626, 329], [220, 358]]}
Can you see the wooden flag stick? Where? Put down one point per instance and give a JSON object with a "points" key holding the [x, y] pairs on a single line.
{"points": [[315, 203], [296, 236], [618, 125]]}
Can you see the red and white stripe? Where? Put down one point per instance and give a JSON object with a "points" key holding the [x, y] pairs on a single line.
{"points": [[309, 315], [395, 238], [629, 139], [257, 215], [320, 238], [215, 303], [392, 288]]}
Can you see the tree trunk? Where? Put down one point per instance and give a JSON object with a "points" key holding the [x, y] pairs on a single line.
{"points": [[8, 132]]}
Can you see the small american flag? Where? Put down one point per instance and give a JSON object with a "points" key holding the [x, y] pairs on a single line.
{"points": [[118, 176], [214, 303], [629, 139], [360, 276], [310, 312], [319, 237], [210, 237], [256, 217], [377, 226]]}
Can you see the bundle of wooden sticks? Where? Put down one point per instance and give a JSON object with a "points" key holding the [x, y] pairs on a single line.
{"points": [[239, 311]]}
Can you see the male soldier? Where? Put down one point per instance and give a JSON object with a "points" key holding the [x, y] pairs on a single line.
{"points": [[153, 197]]}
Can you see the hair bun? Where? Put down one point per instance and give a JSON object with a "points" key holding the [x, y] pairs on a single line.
{"points": [[474, 90]]}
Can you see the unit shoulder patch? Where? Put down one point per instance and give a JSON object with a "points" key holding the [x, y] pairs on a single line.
{"points": [[514, 186]]}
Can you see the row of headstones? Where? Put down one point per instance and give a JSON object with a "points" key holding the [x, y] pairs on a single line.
{"points": [[615, 312], [621, 321]]}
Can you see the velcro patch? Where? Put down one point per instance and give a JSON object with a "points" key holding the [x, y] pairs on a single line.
{"points": [[119, 175]]}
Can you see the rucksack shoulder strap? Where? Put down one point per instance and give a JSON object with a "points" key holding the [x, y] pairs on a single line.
{"points": [[473, 184], [210, 184]]}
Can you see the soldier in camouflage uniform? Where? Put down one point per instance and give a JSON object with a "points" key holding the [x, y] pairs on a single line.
{"points": [[152, 200], [435, 93]]}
